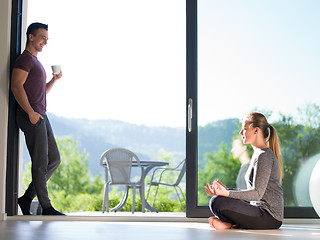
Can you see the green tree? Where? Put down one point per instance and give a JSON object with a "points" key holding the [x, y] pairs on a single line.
{"points": [[219, 165]]}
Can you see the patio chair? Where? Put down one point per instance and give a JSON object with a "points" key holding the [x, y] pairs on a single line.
{"points": [[181, 168], [118, 163]]}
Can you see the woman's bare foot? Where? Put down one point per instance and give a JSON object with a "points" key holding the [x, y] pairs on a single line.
{"points": [[217, 224]]}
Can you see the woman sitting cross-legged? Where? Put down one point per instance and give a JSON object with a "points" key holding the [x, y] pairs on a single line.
{"points": [[260, 206]]}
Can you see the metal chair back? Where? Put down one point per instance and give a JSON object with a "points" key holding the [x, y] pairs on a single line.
{"points": [[119, 164]]}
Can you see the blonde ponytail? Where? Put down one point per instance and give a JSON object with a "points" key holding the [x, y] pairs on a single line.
{"points": [[274, 145]]}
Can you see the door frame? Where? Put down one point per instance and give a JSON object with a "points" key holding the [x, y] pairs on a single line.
{"points": [[12, 176], [191, 113]]}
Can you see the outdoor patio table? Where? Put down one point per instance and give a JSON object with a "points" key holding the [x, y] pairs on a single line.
{"points": [[147, 166]]}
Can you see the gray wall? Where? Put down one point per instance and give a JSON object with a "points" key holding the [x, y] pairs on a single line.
{"points": [[5, 27]]}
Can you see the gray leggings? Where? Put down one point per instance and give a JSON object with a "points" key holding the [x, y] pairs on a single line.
{"points": [[44, 153], [242, 214]]}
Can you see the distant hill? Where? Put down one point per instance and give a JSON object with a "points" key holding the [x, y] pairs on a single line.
{"points": [[96, 136]]}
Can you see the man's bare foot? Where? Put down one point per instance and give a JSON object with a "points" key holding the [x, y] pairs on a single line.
{"points": [[217, 224]]}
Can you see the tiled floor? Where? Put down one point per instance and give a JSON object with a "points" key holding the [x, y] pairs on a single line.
{"points": [[138, 227]]}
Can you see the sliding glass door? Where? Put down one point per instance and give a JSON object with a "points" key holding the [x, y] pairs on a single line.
{"points": [[123, 85], [253, 56]]}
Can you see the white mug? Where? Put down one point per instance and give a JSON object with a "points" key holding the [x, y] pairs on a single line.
{"points": [[56, 69]]}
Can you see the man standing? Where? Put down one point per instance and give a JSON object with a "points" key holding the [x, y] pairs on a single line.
{"points": [[29, 87]]}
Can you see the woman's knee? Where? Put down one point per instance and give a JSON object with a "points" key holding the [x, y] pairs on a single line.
{"points": [[216, 203]]}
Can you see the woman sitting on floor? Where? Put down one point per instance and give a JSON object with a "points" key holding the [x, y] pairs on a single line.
{"points": [[260, 206]]}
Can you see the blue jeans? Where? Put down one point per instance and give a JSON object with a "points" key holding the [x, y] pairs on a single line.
{"points": [[242, 214], [44, 153]]}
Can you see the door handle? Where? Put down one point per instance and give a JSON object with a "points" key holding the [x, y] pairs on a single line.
{"points": [[190, 114]]}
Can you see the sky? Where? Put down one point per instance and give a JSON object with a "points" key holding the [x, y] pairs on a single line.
{"points": [[125, 59], [257, 54]]}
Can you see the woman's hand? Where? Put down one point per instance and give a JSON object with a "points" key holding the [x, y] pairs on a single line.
{"points": [[209, 189], [220, 189], [222, 184]]}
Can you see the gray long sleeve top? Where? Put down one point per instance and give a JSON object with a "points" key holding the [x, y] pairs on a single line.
{"points": [[263, 184]]}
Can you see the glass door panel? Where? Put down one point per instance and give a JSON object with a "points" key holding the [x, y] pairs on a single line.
{"points": [[123, 83], [262, 56]]}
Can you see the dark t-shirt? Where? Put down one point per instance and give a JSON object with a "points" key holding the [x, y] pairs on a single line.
{"points": [[35, 85]]}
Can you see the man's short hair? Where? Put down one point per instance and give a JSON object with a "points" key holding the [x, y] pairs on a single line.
{"points": [[33, 27]]}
